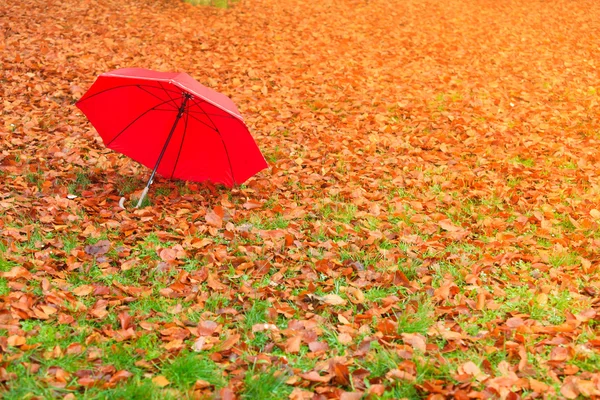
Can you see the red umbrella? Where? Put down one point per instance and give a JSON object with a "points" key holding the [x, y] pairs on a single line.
{"points": [[171, 123]]}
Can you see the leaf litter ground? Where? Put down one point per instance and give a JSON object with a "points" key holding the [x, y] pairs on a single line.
{"points": [[428, 226]]}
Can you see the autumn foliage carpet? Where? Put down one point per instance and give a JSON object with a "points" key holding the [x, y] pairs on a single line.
{"points": [[427, 227]]}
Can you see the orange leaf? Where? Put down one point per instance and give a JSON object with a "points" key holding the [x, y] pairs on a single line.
{"points": [[212, 219], [83, 290], [160, 381]]}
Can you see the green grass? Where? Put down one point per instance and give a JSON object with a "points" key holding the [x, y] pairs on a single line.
{"points": [[276, 222], [266, 384], [128, 184], [135, 389], [184, 370], [416, 321], [82, 182], [213, 3]]}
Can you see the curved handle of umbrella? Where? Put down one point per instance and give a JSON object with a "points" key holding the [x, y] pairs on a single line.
{"points": [[144, 193]]}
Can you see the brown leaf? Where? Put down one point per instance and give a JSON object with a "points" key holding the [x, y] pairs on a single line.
{"points": [[415, 340], [127, 265], [401, 375], [74, 349], [212, 219], [252, 204], [514, 322], [332, 299], [229, 342], [98, 310], [318, 346], [207, 328], [559, 354], [569, 390], [198, 345], [16, 272], [341, 373], [351, 396], [101, 247], [447, 225], [120, 376], [292, 345], [376, 389], [83, 290], [470, 368], [314, 376], [124, 319]]}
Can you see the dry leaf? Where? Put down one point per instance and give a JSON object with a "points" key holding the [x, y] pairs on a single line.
{"points": [[160, 381], [332, 299]]}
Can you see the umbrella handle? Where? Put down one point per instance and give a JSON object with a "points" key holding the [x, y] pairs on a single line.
{"points": [[144, 193]]}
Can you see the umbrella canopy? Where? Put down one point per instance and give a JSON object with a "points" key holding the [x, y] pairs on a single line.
{"points": [[170, 122]]}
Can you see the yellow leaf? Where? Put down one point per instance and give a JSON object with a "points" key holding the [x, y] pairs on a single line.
{"points": [[160, 381]]}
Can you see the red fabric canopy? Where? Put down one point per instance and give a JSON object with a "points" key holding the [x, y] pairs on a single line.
{"points": [[134, 111]]}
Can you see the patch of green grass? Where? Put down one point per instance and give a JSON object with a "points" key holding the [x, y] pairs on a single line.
{"points": [[184, 370], [363, 257], [376, 293], [569, 165], [380, 361], [514, 181], [527, 162], [163, 191], [135, 388], [215, 302], [36, 178], [4, 289], [157, 305], [441, 269], [265, 384], [564, 259], [587, 362], [81, 182], [5, 265], [50, 334], [416, 321], [257, 314], [400, 390], [277, 222], [372, 223], [213, 3], [128, 184]]}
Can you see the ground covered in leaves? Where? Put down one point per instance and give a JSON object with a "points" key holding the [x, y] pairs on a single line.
{"points": [[427, 227]]}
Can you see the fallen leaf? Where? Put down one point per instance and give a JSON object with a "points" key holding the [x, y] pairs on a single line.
{"points": [[332, 299], [160, 381], [99, 248], [314, 376], [83, 290]]}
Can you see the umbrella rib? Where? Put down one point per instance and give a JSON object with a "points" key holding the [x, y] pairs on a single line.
{"points": [[202, 122], [135, 120], [180, 145], [222, 141], [167, 93], [214, 115], [205, 113], [152, 94], [120, 87]]}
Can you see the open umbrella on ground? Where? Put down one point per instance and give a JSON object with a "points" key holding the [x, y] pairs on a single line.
{"points": [[171, 123]]}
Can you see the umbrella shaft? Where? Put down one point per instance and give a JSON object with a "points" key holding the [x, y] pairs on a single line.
{"points": [[162, 153]]}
